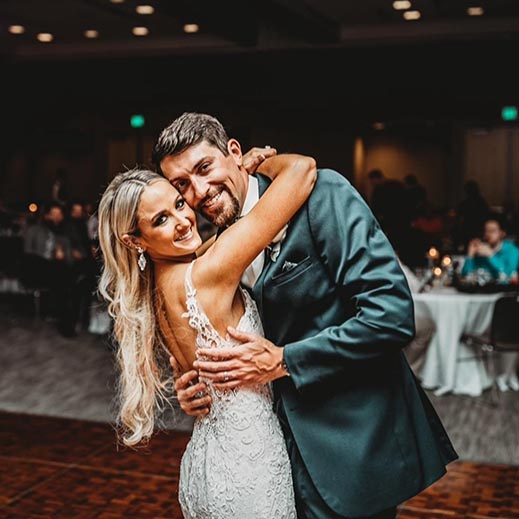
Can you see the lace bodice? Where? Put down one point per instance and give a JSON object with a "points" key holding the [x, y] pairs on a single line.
{"points": [[236, 464], [206, 335]]}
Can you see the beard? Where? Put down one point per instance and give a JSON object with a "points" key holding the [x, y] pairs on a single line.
{"points": [[226, 215]]}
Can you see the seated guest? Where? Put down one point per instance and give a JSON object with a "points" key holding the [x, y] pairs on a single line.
{"points": [[507, 376], [84, 267], [494, 254], [45, 239], [48, 260]]}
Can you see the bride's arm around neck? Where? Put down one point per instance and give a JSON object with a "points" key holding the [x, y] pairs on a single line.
{"points": [[225, 261]]}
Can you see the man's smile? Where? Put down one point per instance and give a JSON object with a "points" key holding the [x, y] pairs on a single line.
{"points": [[213, 200]]}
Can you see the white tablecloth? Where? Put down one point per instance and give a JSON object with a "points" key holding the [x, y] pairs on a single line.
{"points": [[456, 313]]}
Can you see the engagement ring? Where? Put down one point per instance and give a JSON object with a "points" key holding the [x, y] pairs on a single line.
{"points": [[225, 376]]}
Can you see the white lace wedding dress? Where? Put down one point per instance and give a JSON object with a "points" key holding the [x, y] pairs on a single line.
{"points": [[235, 465]]}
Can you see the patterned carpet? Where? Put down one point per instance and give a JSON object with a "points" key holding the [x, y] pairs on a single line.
{"points": [[57, 468], [46, 374]]}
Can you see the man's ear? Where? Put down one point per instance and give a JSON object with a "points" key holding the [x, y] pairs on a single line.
{"points": [[234, 148]]}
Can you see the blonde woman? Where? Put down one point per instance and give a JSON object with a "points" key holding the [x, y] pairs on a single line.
{"points": [[164, 299]]}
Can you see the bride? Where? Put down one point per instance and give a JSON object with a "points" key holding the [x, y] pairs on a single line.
{"points": [[165, 300]]}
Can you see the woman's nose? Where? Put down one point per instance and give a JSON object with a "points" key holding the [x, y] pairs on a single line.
{"points": [[182, 223]]}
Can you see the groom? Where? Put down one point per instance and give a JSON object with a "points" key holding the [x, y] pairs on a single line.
{"points": [[361, 434]]}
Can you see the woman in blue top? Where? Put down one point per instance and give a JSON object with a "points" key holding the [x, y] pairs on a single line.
{"points": [[496, 255]]}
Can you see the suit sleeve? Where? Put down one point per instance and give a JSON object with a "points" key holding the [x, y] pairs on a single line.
{"points": [[365, 270]]}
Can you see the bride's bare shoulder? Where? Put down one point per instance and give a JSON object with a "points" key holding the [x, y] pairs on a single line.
{"points": [[170, 281]]}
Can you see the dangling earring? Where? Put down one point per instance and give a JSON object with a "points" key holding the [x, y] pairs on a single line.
{"points": [[142, 259]]}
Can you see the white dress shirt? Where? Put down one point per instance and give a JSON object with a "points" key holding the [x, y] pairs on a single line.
{"points": [[253, 271]]}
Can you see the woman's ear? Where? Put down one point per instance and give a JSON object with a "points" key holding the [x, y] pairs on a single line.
{"points": [[234, 148], [129, 241]]}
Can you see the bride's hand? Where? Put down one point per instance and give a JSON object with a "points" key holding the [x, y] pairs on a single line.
{"points": [[191, 394], [254, 157]]}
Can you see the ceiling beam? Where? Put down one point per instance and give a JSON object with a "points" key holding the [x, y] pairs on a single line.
{"points": [[180, 45], [430, 31], [235, 20], [297, 21]]}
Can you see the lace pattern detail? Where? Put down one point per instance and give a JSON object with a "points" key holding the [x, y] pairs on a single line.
{"points": [[236, 464]]}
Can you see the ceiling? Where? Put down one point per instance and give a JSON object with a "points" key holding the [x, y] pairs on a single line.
{"points": [[336, 61], [237, 26]]}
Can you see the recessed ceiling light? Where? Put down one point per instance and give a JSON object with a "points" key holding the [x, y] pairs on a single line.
{"points": [[191, 27], [16, 29], [378, 125], [401, 4], [412, 15], [145, 9], [91, 33], [117, 1], [140, 31], [475, 11], [45, 37]]}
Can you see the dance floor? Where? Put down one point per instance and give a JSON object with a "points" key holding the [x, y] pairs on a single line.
{"points": [[57, 468]]}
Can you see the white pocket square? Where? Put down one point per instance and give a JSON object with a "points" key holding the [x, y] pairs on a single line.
{"points": [[288, 265]]}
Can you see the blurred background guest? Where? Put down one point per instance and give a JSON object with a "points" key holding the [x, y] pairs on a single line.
{"points": [[389, 202], [495, 255], [48, 265], [472, 212], [5, 218], [59, 188], [83, 265], [416, 195], [375, 179], [92, 224], [507, 377], [394, 208], [427, 222]]}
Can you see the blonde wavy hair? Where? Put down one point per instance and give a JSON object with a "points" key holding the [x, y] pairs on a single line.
{"points": [[145, 381]]}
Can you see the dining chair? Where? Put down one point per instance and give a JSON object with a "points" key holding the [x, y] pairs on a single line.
{"points": [[502, 337]]}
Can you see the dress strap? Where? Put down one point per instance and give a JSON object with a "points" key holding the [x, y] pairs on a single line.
{"points": [[192, 307], [188, 281], [206, 335]]}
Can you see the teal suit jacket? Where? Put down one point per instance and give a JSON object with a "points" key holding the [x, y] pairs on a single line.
{"points": [[338, 301]]}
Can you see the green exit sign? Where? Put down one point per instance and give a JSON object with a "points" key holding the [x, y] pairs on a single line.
{"points": [[137, 121], [509, 113]]}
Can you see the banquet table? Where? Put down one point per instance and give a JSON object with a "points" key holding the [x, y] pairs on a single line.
{"points": [[450, 366]]}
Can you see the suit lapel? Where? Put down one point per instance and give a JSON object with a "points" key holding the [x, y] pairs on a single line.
{"points": [[263, 183]]}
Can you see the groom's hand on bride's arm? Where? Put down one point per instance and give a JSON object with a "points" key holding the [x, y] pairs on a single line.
{"points": [[191, 395], [255, 361]]}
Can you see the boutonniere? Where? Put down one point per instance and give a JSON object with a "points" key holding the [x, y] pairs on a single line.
{"points": [[275, 245]]}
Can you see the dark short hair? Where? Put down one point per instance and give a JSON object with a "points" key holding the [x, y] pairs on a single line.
{"points": [[187, 130], [375, 173], [499, 218], [49, 205]]}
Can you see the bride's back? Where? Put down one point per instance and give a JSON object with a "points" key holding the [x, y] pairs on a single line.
{"points": [[221, 303]]}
